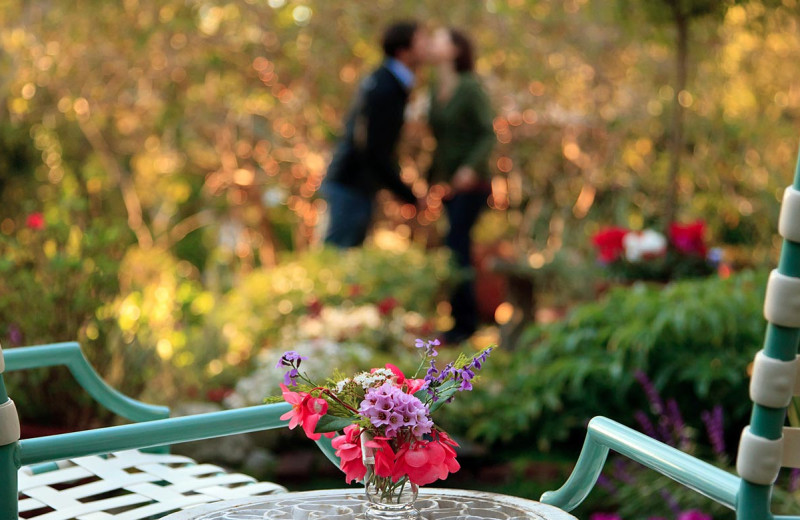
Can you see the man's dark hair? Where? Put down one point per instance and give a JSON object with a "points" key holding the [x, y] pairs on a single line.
{"points": [[465, 60], [398, 37]]}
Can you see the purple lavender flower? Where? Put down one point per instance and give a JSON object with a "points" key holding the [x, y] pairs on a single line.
{"points": [[653, 396], [672, 503], [290, 377], [605, 483], [794, 480], [14, 335], [621, 472], [646, 424], [465, 375], [715, 429], [290, 358], [679, 427], [429, 346], [432, 372]]}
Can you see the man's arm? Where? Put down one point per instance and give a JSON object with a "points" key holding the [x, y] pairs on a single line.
{"points": [[382, 115]]}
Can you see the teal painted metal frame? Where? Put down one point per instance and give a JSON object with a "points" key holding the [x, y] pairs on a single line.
{"points": [[156, 430], [604, 435], [70, 355], [750, 501]]}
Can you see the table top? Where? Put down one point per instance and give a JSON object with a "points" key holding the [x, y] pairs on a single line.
{"points": [[346, 504]]}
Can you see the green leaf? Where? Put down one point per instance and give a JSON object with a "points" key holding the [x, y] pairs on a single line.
{"points": [[330, 423], [444, 392]]}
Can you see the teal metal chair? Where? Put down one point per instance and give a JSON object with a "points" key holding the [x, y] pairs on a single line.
{"points": [[102, 474], [765, 446]]}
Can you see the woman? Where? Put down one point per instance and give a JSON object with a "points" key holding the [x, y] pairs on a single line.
{"points": [[460, 117]]}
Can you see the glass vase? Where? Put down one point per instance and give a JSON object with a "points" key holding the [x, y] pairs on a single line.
{"points": [[390, 500]]}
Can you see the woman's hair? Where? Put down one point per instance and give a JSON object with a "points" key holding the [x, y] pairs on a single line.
{"points": [[465, 59]]}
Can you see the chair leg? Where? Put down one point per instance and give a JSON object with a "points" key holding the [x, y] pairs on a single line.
{"points": [[9, 501]]}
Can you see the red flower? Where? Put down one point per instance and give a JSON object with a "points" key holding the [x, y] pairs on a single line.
{"points": [[425, 462], [355, 290], [690, 238], [35, 221], [314, 308], [384, 456], [348, 449], [609, 244], [216, 395], [412, 385], [387, 305], [306, 412]]}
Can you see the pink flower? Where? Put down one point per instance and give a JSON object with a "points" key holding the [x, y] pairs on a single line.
{"points": [[609, 244], [306, 412], [689, 238], [348, 449], [694, 514], [425, 462], [605, 516], [35, 221]]}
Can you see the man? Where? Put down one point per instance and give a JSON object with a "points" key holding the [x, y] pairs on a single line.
{"points": [[364, 161]]}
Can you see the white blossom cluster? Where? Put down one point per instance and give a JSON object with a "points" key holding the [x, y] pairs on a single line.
{"points": [[321, 353], [367, 380]]}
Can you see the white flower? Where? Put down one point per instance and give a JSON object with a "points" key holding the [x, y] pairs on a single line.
{"points": [[643, 244]]}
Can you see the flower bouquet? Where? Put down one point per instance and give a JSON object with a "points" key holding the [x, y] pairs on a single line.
{"points": [[649, 255], [389, 440]]}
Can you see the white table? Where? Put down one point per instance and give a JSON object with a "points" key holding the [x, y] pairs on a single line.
{"points": [[347, 504]]}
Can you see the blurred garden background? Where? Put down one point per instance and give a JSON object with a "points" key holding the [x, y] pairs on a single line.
{"points": [[160, 162]]}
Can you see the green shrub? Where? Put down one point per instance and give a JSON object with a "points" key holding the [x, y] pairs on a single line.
{"points": [[264, 303], [693, 338]]}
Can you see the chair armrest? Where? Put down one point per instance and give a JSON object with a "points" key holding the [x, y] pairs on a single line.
{"points": [[70, 355], [152, 433], [604, 434]]}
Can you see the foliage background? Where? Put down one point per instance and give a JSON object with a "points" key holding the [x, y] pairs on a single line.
{"points": [[175, 149]]}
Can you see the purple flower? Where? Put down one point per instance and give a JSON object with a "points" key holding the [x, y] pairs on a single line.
{"points": [[605, 516], [715, 429], [290, 358], [678, 426], [605, 483], [646, 424], [289, 378], [388, 406], [14, 335], [432, 372], [694, 514], [671, 501], [653, 396], [794, 480], [429, 346]]}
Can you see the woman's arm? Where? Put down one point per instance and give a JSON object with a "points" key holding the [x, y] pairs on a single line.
{"points": [[482, 117]]}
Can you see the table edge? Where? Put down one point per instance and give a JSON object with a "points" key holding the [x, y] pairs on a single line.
{"points": [[203, 509]]}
